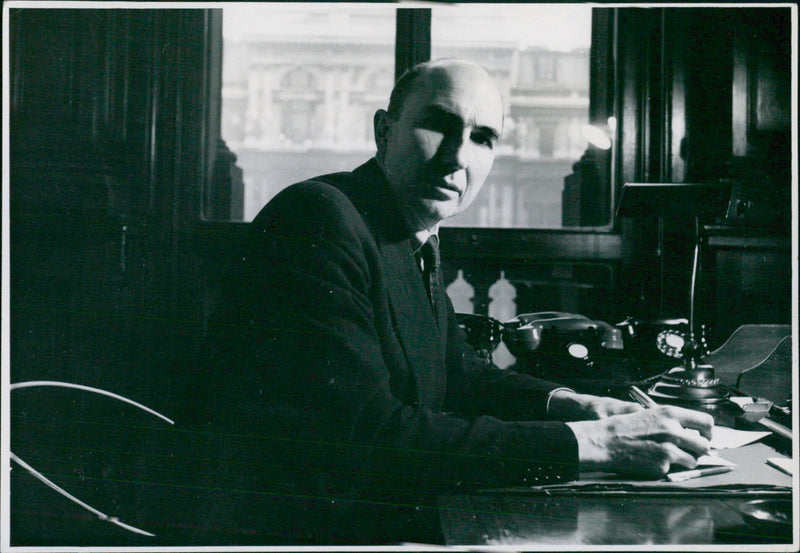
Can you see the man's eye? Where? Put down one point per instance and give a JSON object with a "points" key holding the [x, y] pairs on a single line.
{"points": [[484, 139]]}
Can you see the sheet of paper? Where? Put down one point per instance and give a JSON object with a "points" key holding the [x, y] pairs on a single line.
{"points": [[714, 460], [723, 437]]}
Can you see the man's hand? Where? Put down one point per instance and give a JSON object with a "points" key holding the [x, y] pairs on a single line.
{"points": [[643, 443], [566, 405]]}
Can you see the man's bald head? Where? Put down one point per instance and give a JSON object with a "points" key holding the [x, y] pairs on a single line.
{"points": [[411, 78]]}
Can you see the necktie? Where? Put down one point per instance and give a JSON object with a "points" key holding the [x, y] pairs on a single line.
{"points": [[430, 270]]}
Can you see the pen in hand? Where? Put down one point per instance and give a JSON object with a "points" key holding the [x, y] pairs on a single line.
{"points": [[648, 403], [642, 398]]}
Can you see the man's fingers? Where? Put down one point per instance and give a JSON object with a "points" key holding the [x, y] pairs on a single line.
{"points": [[682, 430], [702, 422], [644, 442], [678, 456], [688, 418], [658, 457], [689, 440], [630, 407]]}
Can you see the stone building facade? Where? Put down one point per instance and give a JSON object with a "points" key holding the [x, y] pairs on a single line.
{"points": [[297, 107]]}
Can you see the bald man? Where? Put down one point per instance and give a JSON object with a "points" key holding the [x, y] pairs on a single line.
{"points": [[350, 397]]}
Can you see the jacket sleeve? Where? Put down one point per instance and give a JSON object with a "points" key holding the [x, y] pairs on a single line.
{"points": [[302, 358], [476, 386]]}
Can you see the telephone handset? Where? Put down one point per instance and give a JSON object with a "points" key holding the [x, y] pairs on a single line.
{"points": [[561, 346], [545, 330]]}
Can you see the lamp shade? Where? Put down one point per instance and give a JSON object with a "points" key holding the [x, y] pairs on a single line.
{"points": [[706, 200]]}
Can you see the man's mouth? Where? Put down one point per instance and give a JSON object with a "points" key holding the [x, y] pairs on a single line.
{"points": [[447, 186]]}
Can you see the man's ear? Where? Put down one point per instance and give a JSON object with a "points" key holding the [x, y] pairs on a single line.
{"points": [[381, 123]]}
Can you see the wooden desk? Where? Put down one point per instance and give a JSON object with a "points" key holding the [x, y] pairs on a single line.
{"points": [[598, 512]]}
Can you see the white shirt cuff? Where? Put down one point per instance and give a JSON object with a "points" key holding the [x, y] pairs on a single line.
{"points": [[550, 396]]}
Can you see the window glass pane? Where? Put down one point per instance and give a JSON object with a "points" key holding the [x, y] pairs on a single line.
{"points": [[301, 83], [539, 55]]}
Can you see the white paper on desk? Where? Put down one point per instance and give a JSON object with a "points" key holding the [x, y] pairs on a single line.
{"points": [[713, 460], [723, 437]]}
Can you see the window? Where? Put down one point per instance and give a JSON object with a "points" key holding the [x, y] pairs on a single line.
{"points": [[301, 83], [539, 55]]}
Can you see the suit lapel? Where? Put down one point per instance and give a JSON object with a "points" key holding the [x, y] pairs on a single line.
{"points": [[422, 341]]}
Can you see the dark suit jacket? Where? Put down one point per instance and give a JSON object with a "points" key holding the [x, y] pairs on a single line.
{"points": [[336, 387]]}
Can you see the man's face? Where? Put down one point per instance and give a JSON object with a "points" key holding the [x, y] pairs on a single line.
{"points": [[438, 152]]}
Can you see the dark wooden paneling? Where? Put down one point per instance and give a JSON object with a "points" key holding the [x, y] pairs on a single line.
{"points": [[501, 244], [108, 159], [691, 79]]}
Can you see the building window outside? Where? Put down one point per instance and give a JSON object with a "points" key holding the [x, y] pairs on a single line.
{"points": [[539, 54], [301, 83]]}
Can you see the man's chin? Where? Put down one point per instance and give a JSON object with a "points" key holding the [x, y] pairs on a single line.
{"points": [[439, 210]]}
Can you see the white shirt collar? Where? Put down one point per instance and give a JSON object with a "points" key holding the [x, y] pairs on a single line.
{"points": [[420, 237]]}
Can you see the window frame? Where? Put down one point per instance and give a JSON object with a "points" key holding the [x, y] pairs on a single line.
{"points": [[412, 46]]}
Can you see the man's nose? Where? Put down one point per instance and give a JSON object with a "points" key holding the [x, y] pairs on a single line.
{"points": [[455, 150]]}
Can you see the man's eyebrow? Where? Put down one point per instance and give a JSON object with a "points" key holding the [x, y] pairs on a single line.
{"points": [[490, 131], [436, 110]]}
